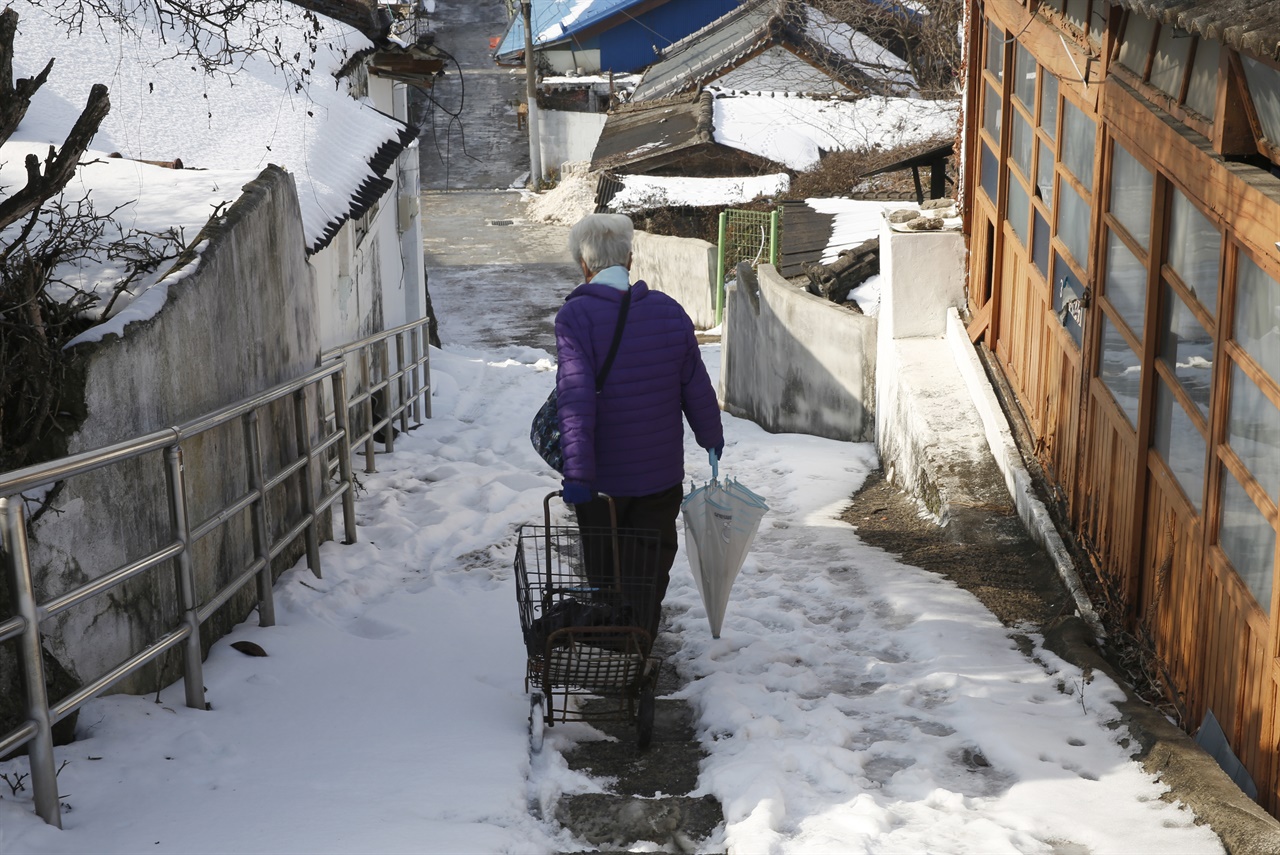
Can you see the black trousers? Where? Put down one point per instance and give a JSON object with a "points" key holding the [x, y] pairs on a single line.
{"points": [[644, 565]]}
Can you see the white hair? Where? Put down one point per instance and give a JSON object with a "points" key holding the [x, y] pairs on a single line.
{"points": [[601, 240]]}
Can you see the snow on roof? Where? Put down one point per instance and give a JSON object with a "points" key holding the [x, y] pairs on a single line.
{"points": [[794, 130], [871, 57], [162, 108], [643, 192]]}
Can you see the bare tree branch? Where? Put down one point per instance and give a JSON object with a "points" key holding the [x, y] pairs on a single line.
{"points": [[14, 98], [59, 164]]}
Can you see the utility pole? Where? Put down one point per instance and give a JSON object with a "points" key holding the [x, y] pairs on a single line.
{"points": [[531, 91]]}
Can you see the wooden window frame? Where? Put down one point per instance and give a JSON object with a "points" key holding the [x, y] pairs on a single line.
{"points": [[1221, 455], [1267, 149], [1174, 105]]}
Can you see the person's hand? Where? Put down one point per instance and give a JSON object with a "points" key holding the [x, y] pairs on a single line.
{"points": [[575, 493], [718, 451]]}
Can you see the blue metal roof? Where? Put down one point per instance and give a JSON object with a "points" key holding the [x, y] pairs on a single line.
{"points": [[554, 20]]}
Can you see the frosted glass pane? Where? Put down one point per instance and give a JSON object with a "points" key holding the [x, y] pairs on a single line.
{"points": [[1264, 87], [1170, 61], [1194, 247], [1049, 104], [1024, 77], [1137, 42], [995, 50], [1044, 176], [1257, 327], [991, 113], [1067, 293], [1131, 195], [1021, 142], [1078, 133], [1040, 253], [1248, 540], [1180, 444], [1202, 91], [1120, 370], [1126, 284], [1187, 348], [990, 174], [1073, 222], [1253, 431], [1019, 210]]}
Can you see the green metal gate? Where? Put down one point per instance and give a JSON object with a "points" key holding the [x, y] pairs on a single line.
{"points": [[745, 236]]}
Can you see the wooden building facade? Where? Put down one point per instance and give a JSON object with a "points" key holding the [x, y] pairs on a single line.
{"points": [[1122, 193]]}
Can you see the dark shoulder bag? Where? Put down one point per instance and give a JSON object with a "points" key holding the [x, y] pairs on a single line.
{"points": [[545, 433]]}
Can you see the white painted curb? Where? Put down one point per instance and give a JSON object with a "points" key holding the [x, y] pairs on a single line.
{"points": [[1034, 515]]}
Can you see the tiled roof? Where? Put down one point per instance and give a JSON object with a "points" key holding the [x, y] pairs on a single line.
{"points": [[372, 188], [1246, 25], [745, 32], [698, 56]]}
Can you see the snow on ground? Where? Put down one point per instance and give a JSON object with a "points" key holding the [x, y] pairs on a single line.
{"points": [[852, 704], [794, 130]]}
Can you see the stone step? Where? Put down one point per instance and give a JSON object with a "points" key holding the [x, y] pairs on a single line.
{"points": [[606, 819]]}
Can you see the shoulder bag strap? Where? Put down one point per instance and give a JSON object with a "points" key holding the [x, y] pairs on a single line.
{"points": [[617, 339]]}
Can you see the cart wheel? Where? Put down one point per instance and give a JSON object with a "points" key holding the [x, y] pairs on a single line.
{"points": [[537, 722], [644, 719]]}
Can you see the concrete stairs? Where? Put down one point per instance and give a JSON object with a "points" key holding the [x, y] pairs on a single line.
{"points": [[648, 792]]}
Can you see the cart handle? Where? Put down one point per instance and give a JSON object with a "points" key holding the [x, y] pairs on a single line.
{"points": [[613, 528]]}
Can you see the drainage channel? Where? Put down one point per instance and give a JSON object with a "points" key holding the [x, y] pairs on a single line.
{"points": [[647, 793]]}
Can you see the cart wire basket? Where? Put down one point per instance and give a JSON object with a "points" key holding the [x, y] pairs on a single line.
{"points": [[586, 600]]}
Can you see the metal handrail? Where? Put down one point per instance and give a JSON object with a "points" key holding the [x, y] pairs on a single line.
{"points": [[410, 382], [322, 437]]}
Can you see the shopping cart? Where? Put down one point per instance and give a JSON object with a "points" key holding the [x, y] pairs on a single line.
{"points": [[586, 598]]}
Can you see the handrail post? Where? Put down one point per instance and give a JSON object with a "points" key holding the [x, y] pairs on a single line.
{"points": [[775, 216], [415, 379], [303, 431], [342, 421], [402, 383], [720, 267], [261, 531], [193, 665], [388, 405], [366, 378], [424, 347], [44, 777]]}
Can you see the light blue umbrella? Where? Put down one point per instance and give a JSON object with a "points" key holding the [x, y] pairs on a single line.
{"points": [[721, 519]]}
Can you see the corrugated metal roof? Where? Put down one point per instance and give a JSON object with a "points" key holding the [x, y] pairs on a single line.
{"points": [[555, 20], [1246, 25]]}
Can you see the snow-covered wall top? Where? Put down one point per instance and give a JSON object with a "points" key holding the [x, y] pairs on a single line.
{"points": [[163, 108]]}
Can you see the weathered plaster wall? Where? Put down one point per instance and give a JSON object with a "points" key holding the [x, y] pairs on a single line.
{"points": [[240, 318], [567, 137], [685, 268], [793, 362]]}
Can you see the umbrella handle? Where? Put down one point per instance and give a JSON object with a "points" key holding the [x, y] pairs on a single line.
{"points": [[715, 463]]}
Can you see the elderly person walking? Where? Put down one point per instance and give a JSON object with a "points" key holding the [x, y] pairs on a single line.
{"points": [[627, 440]]}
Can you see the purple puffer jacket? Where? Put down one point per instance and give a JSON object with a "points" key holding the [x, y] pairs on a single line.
{"points": [[629, 439]]}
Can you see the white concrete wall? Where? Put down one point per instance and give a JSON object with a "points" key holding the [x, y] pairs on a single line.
{"points": [[921, 278], [240, 318], [568, 137], [793, 362], [685, 268]]}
